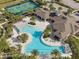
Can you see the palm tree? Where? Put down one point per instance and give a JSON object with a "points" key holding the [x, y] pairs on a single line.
{"points": [[55, 54], [2, 18], [4, 46], [34, 55], [60, 8], [11, 17], [47, 32], [52, 1], [58, 0], [32, 22], [52, 7], [69, 11], [8, 31], [42, 2], [1, 32], [33, 18], [35, 52], [66, 58], [39, 1], [31, 57], [23, 38]]}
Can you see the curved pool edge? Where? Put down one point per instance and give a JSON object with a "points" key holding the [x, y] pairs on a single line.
{"points": [[26, 43], [50, 43]]}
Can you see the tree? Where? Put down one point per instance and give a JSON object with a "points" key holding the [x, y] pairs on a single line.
{"points": [[66, 58], [35, 52], [8, 29], [34, 55], [39, 1], [11, 17], [58, 0], [69, 11], [47, 32], [60, 8], [3, 46], [32, 20], [2, 18], [55, 54], [31, 57], [1, 32], [52, 7], [42, 2], [23, 38]]}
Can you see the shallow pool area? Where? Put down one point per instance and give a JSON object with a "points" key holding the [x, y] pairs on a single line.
{"points": [[22, 8], [36, 41]]}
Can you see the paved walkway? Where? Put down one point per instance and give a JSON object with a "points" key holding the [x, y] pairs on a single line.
{"points": [[71, 3]]}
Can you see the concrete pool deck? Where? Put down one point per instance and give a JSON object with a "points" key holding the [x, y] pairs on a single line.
{"points": [[36, 43], [26, 20]]}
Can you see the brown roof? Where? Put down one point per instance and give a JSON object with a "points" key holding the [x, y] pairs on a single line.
{"points": [[65, 26], [59, 23], [42, 13]]}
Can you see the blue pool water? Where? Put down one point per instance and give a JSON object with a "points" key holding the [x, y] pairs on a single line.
{"points": [[22, 8], [36, 41]]}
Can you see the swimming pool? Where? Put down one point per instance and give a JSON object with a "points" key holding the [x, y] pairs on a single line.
{"points": [[36, 41], [22, 8]]}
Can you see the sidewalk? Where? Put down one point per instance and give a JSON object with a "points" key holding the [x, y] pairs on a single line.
{"points": [[71, 3]]}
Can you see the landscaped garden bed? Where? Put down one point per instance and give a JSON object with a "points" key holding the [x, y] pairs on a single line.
{"points": [[32, 23], [32, 20], [8, 30], [74, 44], [23, 38], [47, 32]]}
